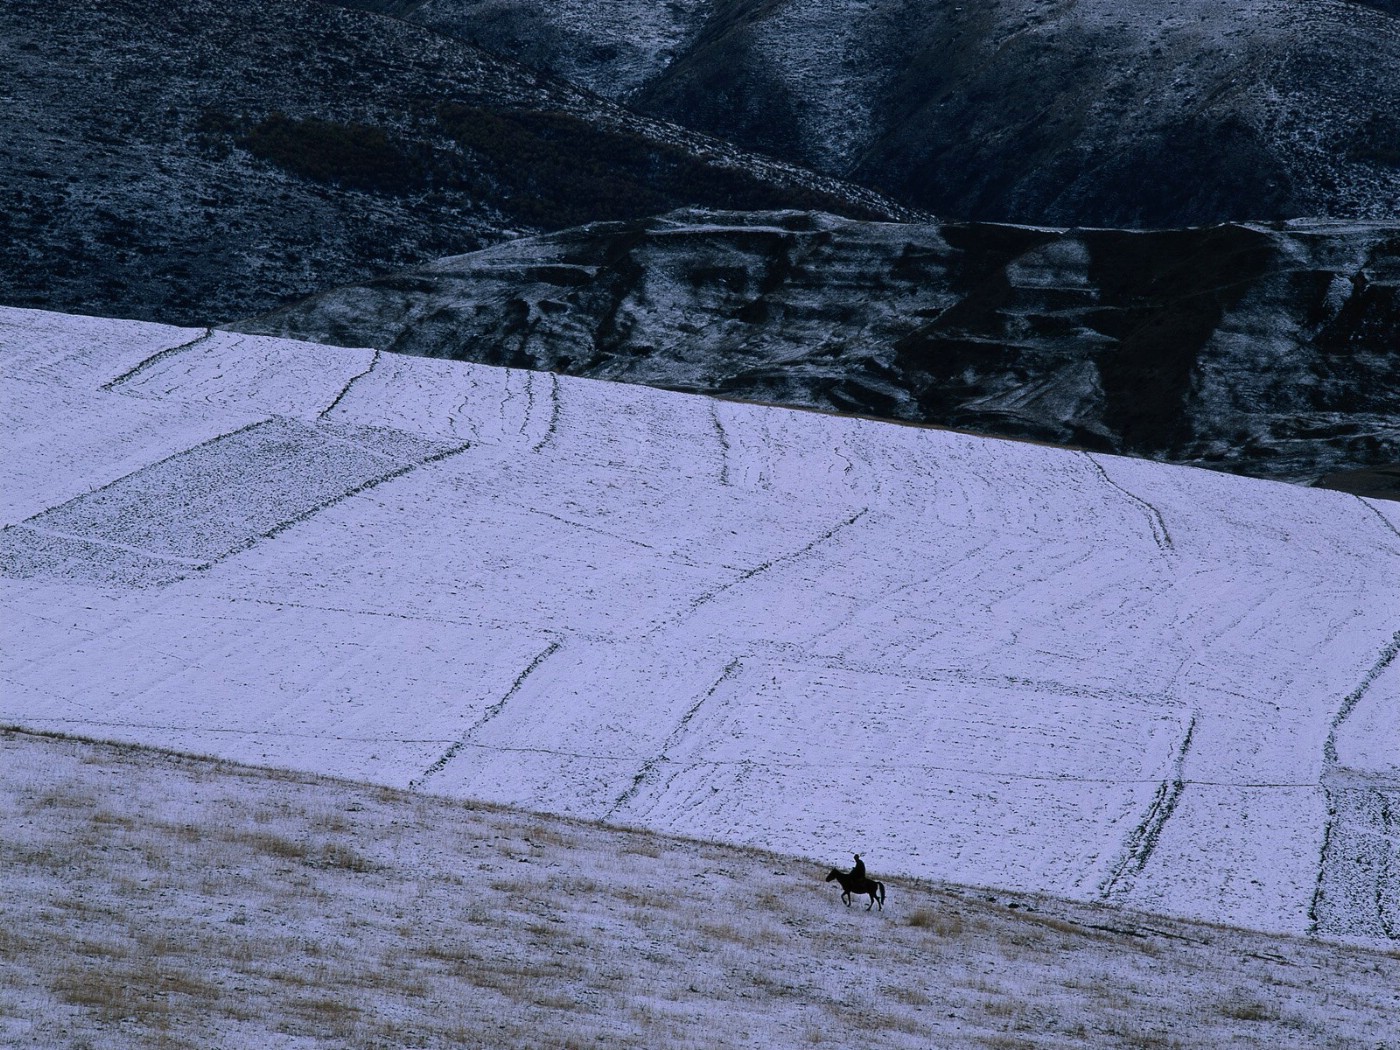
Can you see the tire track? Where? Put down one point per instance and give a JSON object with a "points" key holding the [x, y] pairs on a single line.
{"points": [[723, 437], [529, 403], [488, 715], [373, 363], [552, 427], [132, 373], [1142, 840], [1354, 860], [650, 766], [1384, 520], [1387, 656], [757, 570], [1158, 524], [507, 396], [364, 486]]}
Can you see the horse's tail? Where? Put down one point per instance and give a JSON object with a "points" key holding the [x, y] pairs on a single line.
{"points": [[880, 887]]}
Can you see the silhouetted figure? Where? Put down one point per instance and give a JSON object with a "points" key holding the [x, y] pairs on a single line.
{"points": [[858, 872], [851, 883]]}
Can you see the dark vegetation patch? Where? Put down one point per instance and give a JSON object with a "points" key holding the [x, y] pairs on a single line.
{"points": [[1377, 140], [1375, 482], [355, 156], [726, 87], [1169, 292], [969, 349], [1368, 324], [1198, 170], [556, 169], [1390, 7]]}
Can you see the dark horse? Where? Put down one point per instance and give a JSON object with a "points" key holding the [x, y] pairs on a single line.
{"points": [[852, 883]]}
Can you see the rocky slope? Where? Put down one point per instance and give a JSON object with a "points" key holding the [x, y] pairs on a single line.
{"points": [[200, 161], [1265, 350], [1071, 112], [615, 48]]}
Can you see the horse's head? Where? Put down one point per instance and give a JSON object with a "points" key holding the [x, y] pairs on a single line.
{"points": [[832, 874]]}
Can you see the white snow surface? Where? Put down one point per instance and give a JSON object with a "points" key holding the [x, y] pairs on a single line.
{"points": [[980, 661]]}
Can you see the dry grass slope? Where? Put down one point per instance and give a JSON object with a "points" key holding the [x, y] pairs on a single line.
{"points": [[155, 900]]}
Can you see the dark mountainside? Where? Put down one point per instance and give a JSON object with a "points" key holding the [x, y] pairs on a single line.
{"points": [[1060, 112], [194, 161], [1262, 350]]}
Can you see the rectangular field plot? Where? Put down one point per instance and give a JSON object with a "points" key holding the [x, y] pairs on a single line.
{"points": [[913, 764], [191, 509]]}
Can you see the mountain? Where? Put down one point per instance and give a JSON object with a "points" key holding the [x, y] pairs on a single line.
{"points": [[614, 49], [1267, 350], [1090, 113], [1001, 664], [245, 157], [197, 161]]}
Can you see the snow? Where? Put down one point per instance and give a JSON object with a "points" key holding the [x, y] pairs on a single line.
{"points": [[980, 661], [819, 50], [613, 48], [154, 899]]}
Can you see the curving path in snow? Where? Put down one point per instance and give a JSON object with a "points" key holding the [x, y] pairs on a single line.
{"points": [[977, 660]]}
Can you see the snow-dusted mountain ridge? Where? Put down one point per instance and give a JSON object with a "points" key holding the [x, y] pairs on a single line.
{"points": [[978, 660], [244, 155], [1067, 112]]}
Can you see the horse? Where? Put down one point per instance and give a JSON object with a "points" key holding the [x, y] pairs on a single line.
{"points": [[851, 883]]}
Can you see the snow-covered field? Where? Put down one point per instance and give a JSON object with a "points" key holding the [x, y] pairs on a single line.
{"points": [[973, 660], [159, 901]]}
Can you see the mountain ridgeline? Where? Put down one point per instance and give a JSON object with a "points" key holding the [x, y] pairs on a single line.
{"points": [[196, 161], [1266, 350], [1067, 112], [245, 157]]}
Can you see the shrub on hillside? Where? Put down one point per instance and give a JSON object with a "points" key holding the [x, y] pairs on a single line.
{"points": [[1377, 140], [559, 170], [357, 156]]}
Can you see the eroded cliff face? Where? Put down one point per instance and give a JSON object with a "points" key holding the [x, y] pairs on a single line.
{"points": [[1269, 350]]}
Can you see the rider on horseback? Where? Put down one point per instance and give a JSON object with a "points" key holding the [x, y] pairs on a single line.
{"points": [[857, 881]]}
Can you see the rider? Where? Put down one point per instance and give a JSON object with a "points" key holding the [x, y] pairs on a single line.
{"points": [[859, 870]]}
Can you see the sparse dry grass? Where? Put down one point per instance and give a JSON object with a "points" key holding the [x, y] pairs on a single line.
{"points": [[1245, 1005], [939, 922], [163, 901], [909, 996], [641, 847]]}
